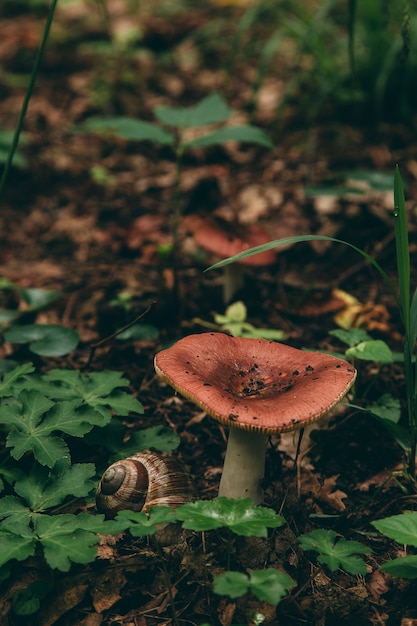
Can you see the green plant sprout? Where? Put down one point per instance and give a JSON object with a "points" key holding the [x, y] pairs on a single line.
{"points": [[268, 585], [334, 551], [234, 322], [407, 304], [386, 409], [211, 111], [361, 345], [402, 529]]}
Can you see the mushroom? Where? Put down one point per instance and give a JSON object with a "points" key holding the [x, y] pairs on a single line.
{"points": [[225, 239], [257, 388]]}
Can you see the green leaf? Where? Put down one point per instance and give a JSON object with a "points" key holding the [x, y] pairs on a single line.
{"points": [[98, 390], [9, 379], [211, 110], [39, 298], [378, 181], [16, 546], [373, 350], [64, 539], [44, 339], [156, 437], [350, 336], [13, 514], [243, 134], [402, 528], [113, 437], [27, 601], [68, 417], [240, 516], [43, 489], [140, 524], [8, 316], [129, 128], [232, 584], [235, 312], [27, 431], [403, 567], [264, 333], [268, 585], [334, 551], [386, 407]]}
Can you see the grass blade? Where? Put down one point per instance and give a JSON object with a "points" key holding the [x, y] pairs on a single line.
{"points": [[279, 243], [403, 252]]}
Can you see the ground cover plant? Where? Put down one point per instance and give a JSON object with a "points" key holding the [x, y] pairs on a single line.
{"points": [[84, 220]]}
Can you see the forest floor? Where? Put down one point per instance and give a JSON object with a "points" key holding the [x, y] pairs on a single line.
{"points": [[88, 216]]}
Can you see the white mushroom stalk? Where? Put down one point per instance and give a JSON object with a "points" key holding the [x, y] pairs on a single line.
{"points": [[257, 388], [244, 466]]}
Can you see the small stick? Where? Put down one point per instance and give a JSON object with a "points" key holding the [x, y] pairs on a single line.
{"points": [[98, 344]]}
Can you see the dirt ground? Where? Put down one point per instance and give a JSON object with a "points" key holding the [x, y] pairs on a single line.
{"points": [[88, 216]]}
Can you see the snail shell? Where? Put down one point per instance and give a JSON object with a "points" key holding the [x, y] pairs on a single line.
{"points": [[141, 481]]}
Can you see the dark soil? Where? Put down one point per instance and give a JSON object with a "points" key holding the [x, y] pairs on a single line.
{"points": [[61, 228]]}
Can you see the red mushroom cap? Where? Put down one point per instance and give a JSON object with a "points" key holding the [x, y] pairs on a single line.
{"points": [[226, 239], [255, 384]]}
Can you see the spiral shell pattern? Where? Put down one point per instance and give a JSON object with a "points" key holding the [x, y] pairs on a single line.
{"points": [[143, 480]]}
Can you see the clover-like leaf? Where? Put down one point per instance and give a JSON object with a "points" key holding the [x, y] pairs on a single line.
{"points": [[141, 524], [334, 551], [239, 515], [232, 584], [268, 585], [44, 339]]}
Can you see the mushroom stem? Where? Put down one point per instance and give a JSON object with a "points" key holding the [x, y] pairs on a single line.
{"points": [[244, 465]]}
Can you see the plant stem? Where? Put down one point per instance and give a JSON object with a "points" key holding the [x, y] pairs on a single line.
{"points": [[403, 270], [28, 95], [176, 220]]}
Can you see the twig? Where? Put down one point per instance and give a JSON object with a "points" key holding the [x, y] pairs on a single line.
{"points": [[102, 342]]}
